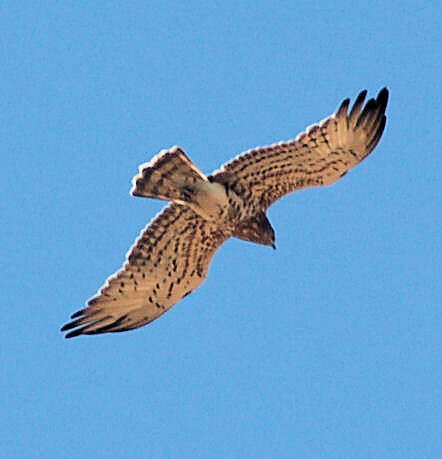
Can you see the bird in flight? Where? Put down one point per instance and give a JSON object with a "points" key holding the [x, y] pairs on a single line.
{"points": [[171, 256]]}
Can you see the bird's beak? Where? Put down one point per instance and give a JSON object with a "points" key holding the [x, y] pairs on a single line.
{"points": [[273, 246]]}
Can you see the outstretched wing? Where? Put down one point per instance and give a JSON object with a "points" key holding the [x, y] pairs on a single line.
{"points": [[319, 156], [169, 260]]}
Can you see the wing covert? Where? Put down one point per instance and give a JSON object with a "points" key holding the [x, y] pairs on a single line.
{"points": [[169, 259]]}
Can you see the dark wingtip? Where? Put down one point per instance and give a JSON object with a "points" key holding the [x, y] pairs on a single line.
{"points": [[378, 135], [78, 331], [343, 107], [78, 313], [73, 333], [110, 327], [367, 111], [361, 97], [358, 103], [72, 324], [79, 317], [382, 98], [383, 93]]}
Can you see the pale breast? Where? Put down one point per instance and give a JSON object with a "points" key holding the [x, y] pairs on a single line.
{"points": [[210, 200]]}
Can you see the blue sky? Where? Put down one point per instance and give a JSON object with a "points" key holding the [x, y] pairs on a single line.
{"points": [[326, 347]]}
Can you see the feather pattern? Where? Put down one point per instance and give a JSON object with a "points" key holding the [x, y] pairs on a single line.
{"points": [[169, 260], [319, 156]]}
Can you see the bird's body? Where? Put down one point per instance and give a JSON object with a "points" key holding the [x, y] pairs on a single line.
{"points": [[172, 255]]}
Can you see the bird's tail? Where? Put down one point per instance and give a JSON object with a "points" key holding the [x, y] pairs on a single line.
{"points": [[171, 176]]}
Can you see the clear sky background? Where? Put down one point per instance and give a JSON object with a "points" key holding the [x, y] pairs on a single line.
{"points": [[329, 346]]}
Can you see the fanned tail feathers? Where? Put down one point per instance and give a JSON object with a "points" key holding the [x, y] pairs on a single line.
{"points": [[170, 175]]}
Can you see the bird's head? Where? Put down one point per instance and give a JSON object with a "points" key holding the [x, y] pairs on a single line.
{"points": [[256, 229]]}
